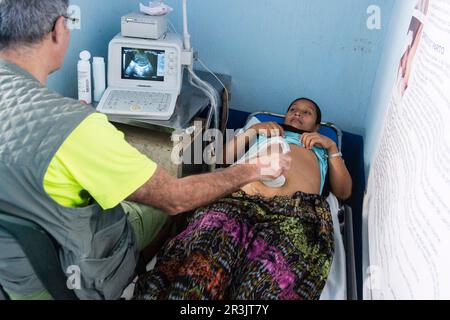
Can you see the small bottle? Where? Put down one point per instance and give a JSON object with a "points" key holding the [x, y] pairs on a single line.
{"points": [[84, 77], [98, 67]]}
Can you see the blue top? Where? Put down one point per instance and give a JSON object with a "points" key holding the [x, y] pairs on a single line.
{"points": [[321, 154]]}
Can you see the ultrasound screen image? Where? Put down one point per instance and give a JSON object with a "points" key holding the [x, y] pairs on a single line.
{"points": [[143, 64]]}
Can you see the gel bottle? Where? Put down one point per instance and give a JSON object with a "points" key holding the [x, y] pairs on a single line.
{"points": [[98, 67], [84, 78]]}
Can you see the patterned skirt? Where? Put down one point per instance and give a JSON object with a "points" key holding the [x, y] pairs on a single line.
{"points": [[247, 248]]}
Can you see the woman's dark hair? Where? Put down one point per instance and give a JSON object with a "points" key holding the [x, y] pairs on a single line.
{"points": [[318, 111]]}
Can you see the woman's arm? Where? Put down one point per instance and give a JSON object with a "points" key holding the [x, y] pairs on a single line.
{"points": [[237, 147], [340, 179]]}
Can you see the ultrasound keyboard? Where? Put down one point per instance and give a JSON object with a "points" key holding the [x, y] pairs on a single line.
{"points": [[141, 104]]}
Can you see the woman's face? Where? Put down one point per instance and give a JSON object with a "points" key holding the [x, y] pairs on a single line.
{"points": [[302, 115]]}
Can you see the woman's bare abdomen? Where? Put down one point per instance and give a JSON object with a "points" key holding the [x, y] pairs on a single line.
{"points": [[303, 176]]}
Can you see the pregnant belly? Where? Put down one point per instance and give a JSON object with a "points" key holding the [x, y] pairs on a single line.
{"points": [[303, 176]]}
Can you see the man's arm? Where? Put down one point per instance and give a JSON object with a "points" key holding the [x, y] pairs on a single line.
{"points": [[181, 195]]}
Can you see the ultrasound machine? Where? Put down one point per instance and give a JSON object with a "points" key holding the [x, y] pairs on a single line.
{"points": [[144, 76]]}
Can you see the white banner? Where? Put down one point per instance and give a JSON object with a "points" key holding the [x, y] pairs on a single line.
{"points": [[408, 195]]}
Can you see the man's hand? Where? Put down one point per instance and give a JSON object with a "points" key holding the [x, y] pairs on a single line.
{"points": [[315, 139], [272, 166], [269, 129]]}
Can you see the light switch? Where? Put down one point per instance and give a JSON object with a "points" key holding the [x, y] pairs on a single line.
{"points": [[74, 12]]}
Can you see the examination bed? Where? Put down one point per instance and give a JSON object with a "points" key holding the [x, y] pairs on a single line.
{"points": [[341, 283]]}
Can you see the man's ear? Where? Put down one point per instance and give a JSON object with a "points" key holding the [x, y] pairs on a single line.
{"points": [[60, 30]]}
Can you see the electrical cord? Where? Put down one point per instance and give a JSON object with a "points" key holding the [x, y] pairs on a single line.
{"points": [[226, 107]]}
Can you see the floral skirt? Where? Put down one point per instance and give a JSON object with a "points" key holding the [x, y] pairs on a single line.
{"points": [[247, 248]]}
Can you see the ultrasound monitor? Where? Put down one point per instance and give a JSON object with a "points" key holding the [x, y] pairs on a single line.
{"points": [[144, 77], [143, 64]]}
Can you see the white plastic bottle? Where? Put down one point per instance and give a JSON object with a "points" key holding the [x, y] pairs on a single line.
{"points": [[98, 67], [84, 77]]}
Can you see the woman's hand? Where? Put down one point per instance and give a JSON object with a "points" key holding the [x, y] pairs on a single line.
{"points": [[269, 129], [315, 139]]}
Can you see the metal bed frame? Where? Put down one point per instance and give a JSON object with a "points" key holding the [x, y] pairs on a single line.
{"points": [[345, 216]]}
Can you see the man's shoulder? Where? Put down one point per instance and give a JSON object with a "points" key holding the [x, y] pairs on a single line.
{"points": [[95, 122], [96, 131], [97, 118]]}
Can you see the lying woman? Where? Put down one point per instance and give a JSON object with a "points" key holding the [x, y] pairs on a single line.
{"points": [[261, 243]]}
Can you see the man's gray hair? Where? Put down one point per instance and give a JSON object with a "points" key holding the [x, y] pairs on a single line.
{"points": [[27, 22]]}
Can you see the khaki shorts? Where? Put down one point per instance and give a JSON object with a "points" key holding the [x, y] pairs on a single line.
{"points": [[146, 221]]}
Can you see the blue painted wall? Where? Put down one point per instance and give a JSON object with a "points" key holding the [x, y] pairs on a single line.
{"points": [[279, 50], [386, 75], [274, 50], [100, 22]]}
